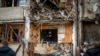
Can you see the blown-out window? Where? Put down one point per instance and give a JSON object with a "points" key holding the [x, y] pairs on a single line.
{"points": [[9, 3], [12, 3], [49, 35]]}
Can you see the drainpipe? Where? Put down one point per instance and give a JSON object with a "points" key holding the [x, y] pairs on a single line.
{"points": [[74, 38], [75, 29], [80, 24], [27, 30], [27, 25]]}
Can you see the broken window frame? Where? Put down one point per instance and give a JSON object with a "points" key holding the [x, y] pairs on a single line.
{"points": [[12, 3]]}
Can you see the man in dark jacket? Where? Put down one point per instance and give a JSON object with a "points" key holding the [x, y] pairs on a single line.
{"points": [[95, 51], [49, 36], [5, 50]]}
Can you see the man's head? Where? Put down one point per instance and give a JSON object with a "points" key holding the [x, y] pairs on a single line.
{"points": [[49, 32]]}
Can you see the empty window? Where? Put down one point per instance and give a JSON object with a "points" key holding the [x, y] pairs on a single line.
{"points": [[12, 3], [49, 35]]}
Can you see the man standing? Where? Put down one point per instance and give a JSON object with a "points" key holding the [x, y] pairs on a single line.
{"points": [[5, 50], [49, 36], [95, 50]]}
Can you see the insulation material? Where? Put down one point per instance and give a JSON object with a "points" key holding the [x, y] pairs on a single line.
{"points": [[45, 11]]}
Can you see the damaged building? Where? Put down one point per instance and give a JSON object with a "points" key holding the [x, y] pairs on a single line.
{"points": [[69, 22], [90, 19]]}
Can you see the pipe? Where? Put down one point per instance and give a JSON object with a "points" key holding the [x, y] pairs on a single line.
{"points": [[75, 28], [27, 25], [27, 30], [74, 38]]}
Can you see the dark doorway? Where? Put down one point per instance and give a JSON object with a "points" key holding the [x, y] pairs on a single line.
{"points": [[53, 35], [91, 32]]}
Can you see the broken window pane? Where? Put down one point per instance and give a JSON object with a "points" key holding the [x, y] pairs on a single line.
{"points": [[22, 2]]}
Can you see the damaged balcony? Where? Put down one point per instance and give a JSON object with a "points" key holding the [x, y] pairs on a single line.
{"points": [[12, 10], [52, 11], [11, 14], [91, 11]]}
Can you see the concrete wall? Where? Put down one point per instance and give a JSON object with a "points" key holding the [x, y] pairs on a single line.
{"points": [[91, 32], [11, 13]]}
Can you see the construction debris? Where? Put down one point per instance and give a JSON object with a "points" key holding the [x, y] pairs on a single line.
{"points": [[41, 10]]}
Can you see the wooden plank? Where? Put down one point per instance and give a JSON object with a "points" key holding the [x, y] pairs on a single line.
{"points": [[11, 39], [68, 33], [18, 48]]}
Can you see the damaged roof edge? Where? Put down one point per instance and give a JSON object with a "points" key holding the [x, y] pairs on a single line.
{"points": [[11, 21], [52, 21]]}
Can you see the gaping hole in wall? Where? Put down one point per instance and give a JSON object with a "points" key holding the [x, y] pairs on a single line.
{"points": [[91, 32], [52, 10], [50, 4], [49, 35]]}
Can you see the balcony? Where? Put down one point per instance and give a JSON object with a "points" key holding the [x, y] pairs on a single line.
{"points": [[11, 14]]}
